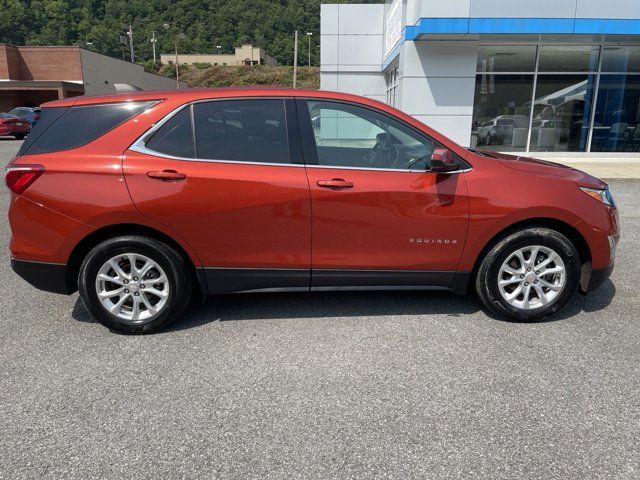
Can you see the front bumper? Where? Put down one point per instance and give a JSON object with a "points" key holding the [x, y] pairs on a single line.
{"points": [[50, 277]]}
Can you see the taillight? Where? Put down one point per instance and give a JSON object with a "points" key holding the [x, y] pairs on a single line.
{"points": [[19, 177]]}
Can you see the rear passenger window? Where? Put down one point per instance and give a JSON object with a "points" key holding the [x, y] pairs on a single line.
{"points": [[81, 125], [175, 137], [242, 131]]}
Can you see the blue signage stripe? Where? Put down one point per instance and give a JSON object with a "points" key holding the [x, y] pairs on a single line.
{"points": [[435, 26]]}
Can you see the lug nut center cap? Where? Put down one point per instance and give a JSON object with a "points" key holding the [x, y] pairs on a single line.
{"points": [[530, 277]]}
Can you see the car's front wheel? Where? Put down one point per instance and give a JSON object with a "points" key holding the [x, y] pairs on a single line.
{"points": [[530, 274], [134, 284]]}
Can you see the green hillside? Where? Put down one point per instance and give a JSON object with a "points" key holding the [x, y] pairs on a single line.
{"points": [[203, 23]]}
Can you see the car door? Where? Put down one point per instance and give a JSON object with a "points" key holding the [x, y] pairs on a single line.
{"points": [[380, 217], [226, 175]]}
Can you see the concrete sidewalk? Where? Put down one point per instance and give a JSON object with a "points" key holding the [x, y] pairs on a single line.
{"points": [[601, 166]]}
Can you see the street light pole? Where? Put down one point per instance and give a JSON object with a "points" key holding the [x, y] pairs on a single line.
{"points": [[295, 59], [153, 43], [130, 33], [309, 34]]}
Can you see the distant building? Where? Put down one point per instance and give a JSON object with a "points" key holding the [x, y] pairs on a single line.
{"points": [[244, 55], [30, 76]]}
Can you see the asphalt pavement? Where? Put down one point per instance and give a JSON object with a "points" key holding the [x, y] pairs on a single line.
{"points": [[325, 385]]}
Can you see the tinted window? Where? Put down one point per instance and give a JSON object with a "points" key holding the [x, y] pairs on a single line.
{"points": [[81, 125], [48, 118], [175, 137], [506, 58], [351, 136], [242, 130]]}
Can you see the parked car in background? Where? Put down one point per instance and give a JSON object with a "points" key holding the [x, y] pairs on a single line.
{"points": [[11, 125], [500, 130], [140, 200], [32, 115]]}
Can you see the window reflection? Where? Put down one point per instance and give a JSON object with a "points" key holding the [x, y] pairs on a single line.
{"points": [[506, 58], [616, 125], [568, 58], [562, 109], [501, 112]]}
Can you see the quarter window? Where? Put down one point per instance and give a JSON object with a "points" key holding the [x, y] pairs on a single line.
{"points": [[242, 131], [78, 126], [351, 136], [175, 137]]}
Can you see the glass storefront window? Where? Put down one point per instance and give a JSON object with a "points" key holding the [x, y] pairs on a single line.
{"points": [[561, 113], [621, 59], [568, 114], [616, 126], [501, 112], [506, 58], [568, 58]]}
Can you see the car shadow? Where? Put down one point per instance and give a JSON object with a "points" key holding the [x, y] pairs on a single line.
{"points": [[267, 306]]}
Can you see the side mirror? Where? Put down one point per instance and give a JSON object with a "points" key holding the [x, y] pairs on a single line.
{"points": [[443, 161]]}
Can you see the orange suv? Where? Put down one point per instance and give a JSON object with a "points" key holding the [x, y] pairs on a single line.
{"points": [[140, 200]]}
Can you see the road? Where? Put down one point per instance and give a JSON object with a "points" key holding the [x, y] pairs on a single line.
{"points": [[326, 385]]}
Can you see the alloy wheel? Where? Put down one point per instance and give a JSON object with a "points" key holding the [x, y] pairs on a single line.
{"points": [[132, 287], [532, 277]]}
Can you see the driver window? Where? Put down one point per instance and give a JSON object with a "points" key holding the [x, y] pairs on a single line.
{"points": [[352, 136]]}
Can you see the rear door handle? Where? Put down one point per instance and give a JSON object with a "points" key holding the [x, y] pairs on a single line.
{"points": [[167, 175], [335, 183]]}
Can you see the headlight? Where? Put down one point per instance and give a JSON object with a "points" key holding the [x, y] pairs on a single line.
{"points": [[601, 195]]}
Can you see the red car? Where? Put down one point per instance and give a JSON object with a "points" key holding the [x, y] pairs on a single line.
{"points": [[14, 126], [140, 200]]}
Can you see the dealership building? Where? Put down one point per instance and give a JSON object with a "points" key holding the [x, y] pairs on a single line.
{"points": [[558, 76], [32, 75]]}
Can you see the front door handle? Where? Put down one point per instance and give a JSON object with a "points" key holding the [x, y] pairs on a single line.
{"points": [[167, 175], [335, 183]]}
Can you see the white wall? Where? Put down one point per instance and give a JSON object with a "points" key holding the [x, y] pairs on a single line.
{"points": [[437, 85], [351, 39]]}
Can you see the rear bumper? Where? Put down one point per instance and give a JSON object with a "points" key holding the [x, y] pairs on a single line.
{"points": [[50, 277], [597, 278]]}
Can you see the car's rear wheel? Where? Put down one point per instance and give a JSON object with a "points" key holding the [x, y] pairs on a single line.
{"points": [[134, 284], [530, 274]]}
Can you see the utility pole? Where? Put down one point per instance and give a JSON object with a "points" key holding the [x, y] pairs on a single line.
{"points": [[177, 66], [153, 43], [130, 33], [295, 59], [309, 37]]}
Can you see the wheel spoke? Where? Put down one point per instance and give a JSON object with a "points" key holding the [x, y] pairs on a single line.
{"points": [[107, 278], [116, 306], [510, 281], [534, 254], [512, 296], [111, 293], [523, 262], [132, 261], [150, 308], [551, 270], [550, 286], [546, 261], [513, 272], [145, 269], [541, 295], [527, 294], [116, 268], [135, 312], [156, 292]]}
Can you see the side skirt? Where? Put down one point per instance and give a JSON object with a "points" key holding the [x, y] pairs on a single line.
{"points": [[238, 280]]}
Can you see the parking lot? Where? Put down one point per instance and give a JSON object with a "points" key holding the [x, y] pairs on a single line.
{"points": [[325, 385]]}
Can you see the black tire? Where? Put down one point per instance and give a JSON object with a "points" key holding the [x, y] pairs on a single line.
{"points": [[167, 258], [19, 136], [488, 273]]}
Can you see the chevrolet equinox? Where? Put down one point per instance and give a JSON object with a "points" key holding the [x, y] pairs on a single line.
{"points": [[139, 200]]}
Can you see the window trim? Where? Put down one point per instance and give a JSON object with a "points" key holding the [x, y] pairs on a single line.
{"points": [[310, 147], [139, 145]]}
